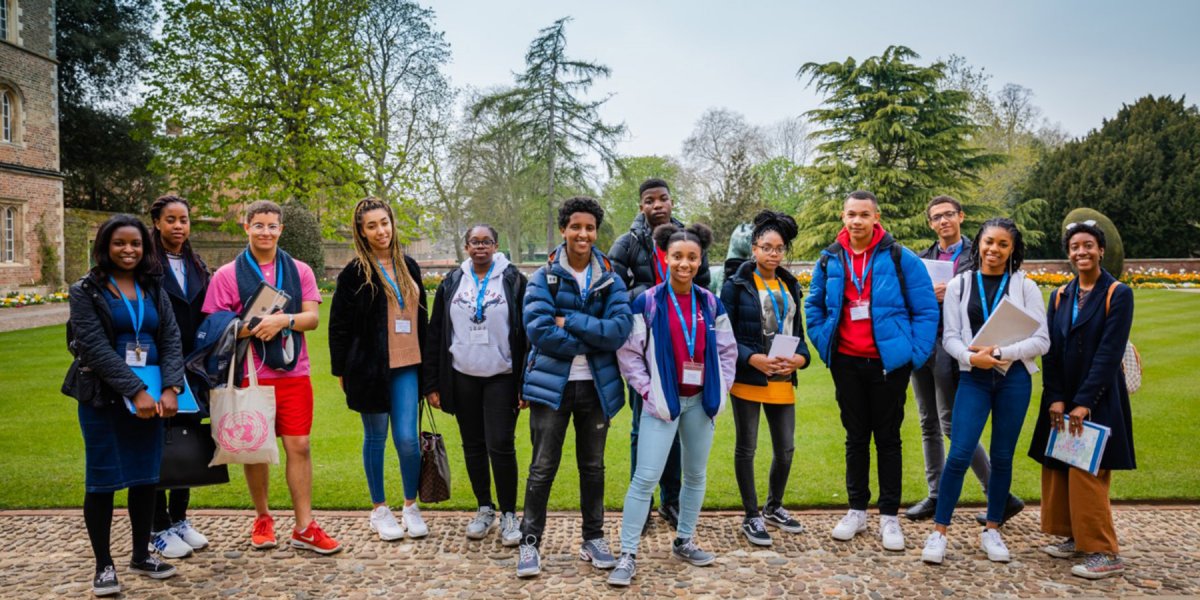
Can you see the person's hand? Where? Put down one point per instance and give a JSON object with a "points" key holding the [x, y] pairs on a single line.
{"points": [[143, 402], [983, 357], [762, 363], [1076, 417], [434, 399], [270, 326], [168, 403], [560, 321], [522, 404], [1056, 415], [939, 290]]}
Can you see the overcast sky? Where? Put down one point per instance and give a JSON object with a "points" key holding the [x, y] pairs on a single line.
{"points": [[672, 60]]}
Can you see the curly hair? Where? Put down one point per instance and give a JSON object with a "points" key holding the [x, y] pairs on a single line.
{"points": [[769, 220], [665, 235], [1018, 252], [577, 204], [1074, 229]]}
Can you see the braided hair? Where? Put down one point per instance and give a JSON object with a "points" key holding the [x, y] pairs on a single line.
{"points": [[160, 249], [1018, 252]]}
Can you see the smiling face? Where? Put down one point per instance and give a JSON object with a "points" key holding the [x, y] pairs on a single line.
{"points": [[174, 225], [125, 248], [860, 217], [481, 246], [580, 234], [683, 258], [769, 250], [264, 229], [995, 246], [945, 221], [376, 228], [1084, 251], [656, 205]]}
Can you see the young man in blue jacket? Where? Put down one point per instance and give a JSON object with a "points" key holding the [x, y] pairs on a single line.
{"points": [[576, 317], [873, 317]]}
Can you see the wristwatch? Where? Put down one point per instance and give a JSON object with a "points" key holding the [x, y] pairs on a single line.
{"points": [[178, 389], [291, 321], [996, 353]]}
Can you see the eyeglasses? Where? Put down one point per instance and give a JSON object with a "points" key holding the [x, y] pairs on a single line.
{"points": [[481, 243], [778, 250], [260, 227], [942, 216], [1089, 223]]}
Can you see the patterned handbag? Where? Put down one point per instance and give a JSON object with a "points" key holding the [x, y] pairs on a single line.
{"points": [[434, 484]]}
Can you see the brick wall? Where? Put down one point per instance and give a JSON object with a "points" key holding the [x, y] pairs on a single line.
{"points": [[38, 200]]}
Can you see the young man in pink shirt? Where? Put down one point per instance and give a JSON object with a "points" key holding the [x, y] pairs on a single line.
{"points": [[280, 356]]}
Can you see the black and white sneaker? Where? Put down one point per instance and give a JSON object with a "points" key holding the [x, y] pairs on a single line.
{"points": [[105, 582], [755, 531], [778, 516], [151, 567]]}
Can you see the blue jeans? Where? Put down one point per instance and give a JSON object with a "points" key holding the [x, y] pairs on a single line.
{"points": [[668, 486], [403, 417], [1006, 398], [695, 431]]}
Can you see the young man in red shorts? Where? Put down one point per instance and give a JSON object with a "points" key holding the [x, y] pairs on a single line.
{"points": [[280, 357]]}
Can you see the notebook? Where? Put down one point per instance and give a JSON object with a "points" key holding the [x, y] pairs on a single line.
{"points": [[152, 377], [1082, 451]]}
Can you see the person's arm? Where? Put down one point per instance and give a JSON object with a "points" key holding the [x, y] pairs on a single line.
{"points": [[620, 255], [952, 321], [631, 356], [1110, 351], [605, 333], [341, 321], [95, 350], [1052, 366], [541, 325], [1038, 343], [727, 347], [431, 352], [815, 311]]}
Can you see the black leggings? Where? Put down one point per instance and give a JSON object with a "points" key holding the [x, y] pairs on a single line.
{"points": [[487, 420], [168, 512], [98, 516], [781, 421]]}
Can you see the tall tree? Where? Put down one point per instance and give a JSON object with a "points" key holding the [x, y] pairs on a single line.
{"points": [[102, 46], [886, 125], [549, 115], [261, 97]]}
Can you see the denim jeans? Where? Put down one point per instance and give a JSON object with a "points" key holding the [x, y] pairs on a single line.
{"points": [[668, 485], [548, 429], [934, 386], [695, 435], [980, 393], [487, 421], [781, 421], [872, 405], [403, 417]]}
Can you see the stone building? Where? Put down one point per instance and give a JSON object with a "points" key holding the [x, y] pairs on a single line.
{"points": [[31, 191]]}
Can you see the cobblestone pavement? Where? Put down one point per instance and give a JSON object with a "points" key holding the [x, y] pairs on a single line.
{"points": [[46, 555]]}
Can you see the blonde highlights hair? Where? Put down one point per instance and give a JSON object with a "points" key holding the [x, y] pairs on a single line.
{"points": [[367, 261]]}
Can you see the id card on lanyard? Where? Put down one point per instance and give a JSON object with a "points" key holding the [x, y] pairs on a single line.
{"points": [[693, 372], [780, 314], [135, 355], [860, 309], [478, 333], [400, 325]]}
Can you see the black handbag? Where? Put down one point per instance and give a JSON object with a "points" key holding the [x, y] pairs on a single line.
{"points": [[187, 450], [434, 482]]}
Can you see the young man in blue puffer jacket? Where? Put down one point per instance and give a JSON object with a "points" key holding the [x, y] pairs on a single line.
{"points": [[873, 317], [576, 317]]}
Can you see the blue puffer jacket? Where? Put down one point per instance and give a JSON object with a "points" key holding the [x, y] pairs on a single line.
{"points": [[904, 330], [595, 326]]}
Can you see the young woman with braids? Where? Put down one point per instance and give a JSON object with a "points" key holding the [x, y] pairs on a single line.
{"points": [[185, 282], [376, 333]]}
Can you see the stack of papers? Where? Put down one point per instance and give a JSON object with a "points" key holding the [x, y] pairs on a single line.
{"points": [[1008, 325]]}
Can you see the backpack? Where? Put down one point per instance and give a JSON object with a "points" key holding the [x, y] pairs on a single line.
{"points": [[1131, 362], [896, 252]]}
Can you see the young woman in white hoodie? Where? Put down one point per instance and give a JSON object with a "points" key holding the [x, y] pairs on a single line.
{"points": [[996, 380], [475, 347]]}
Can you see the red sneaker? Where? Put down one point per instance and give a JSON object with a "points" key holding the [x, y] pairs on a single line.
{"points": [[262, 535], [314, 538]]}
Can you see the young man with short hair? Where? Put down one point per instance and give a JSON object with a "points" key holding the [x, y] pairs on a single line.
{"points": [[872, 316], [279, 355]]}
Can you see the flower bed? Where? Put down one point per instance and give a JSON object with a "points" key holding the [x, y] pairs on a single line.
{"points": [[18, 299]]}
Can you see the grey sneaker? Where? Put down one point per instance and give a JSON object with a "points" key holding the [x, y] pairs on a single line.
{"points": [[622, 575], [596, 552], [687, 551], [1064, 549], [105, 582], [778, 516], [484, 521], [529, 562], [510, 530], [1099, 565]]}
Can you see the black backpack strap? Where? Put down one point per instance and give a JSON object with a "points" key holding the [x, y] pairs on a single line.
{"points": [[897, 252]]}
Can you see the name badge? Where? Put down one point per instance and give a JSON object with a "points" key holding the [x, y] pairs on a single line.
{"points": [[135, 355], [478, 335], [403, 326], [693, 373], [860, 310]]}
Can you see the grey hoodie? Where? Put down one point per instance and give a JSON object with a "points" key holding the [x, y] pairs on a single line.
{"points": [[494, 357]]}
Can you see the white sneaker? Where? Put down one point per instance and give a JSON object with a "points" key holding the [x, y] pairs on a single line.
{"points": [[384, 523], [189, 535], [168, 544], [413, 521], [510, 530], [935, 548], [994, 546], [854, 523], [889, 531]]}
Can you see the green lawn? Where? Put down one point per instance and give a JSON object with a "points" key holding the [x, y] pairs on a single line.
{"points": [[42, 450]]}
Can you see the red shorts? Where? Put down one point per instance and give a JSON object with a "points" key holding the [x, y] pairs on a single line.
{"points": [[293, 404]]}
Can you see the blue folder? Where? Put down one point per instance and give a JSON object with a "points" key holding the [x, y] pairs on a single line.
{"points": [[152, 377]]}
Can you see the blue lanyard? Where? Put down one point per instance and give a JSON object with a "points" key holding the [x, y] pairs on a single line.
{"points": [[482, 287], [587, 285], [254, 265], [662, 275], [141, 309], [779, 315], [983, 295], [689, 336], [392, 282], [859, 284]]}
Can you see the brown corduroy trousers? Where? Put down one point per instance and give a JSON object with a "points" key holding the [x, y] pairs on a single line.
{"points": [[1075, 505]]}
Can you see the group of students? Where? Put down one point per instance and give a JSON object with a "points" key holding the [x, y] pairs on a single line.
{"points": [[567, 342]]}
